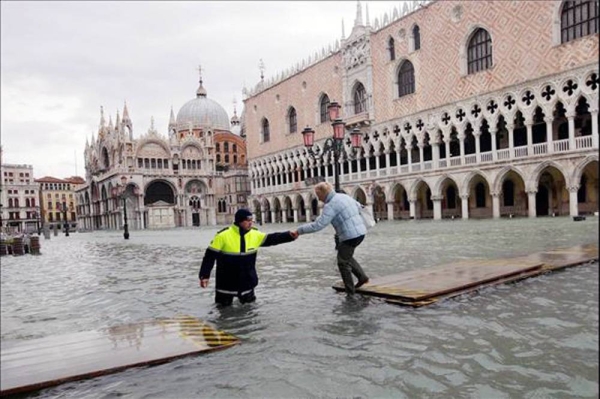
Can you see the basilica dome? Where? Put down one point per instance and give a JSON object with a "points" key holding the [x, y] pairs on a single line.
{"points": [[202, 111]]}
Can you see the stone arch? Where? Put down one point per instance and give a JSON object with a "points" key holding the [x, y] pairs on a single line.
{"points": [[552, 196], [477, 186], [585, 177], [534, 177], [359, 194], [422, 197], [399, 195], [277, 209], [159, 190]]}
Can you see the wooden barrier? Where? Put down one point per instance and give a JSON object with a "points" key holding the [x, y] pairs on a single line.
{"points": [[34, 245], [426, 286], [39, 363], [18, 247]]}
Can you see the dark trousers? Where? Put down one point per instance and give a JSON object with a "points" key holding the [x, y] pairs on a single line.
{"points": [[227, 299], [348, 265]]}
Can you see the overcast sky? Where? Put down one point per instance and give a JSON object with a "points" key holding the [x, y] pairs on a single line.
{"points": [[61, 61]]}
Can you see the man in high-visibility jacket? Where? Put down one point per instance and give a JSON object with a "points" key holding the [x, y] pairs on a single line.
{"points": [[235, 249]]}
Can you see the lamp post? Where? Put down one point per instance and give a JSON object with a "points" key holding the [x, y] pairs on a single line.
{"points": [[333, 144], [64, 209], [36, 216], [124, 198]]}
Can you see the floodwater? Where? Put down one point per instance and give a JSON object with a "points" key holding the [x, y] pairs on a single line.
{"points": [[534, 339]]}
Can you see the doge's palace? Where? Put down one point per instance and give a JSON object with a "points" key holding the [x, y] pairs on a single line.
{"points": [[467, 109]]}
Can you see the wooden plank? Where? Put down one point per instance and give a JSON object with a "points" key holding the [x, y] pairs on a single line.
{"points": [[426, 286], [40, 363], [431, 282]]}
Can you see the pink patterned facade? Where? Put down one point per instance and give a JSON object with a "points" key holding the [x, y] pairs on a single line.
{"points": [[467, 109]]}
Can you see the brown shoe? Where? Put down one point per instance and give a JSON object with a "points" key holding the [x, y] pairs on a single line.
{"points": [[361, 283]]}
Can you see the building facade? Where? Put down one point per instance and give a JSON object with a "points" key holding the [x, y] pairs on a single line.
{"points": [[466, 109], [58, 202], [20, 208], [194, 176]]}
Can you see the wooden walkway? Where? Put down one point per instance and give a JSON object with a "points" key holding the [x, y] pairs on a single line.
{"points": [[426, 286], [40, 363]]}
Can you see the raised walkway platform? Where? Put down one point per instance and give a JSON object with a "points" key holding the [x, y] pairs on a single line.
{"points": [[427, 286], [40, 363]]}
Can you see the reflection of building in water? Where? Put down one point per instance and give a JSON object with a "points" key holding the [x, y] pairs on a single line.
{"points": [[468, 109], [131, 334], [195, 176]]}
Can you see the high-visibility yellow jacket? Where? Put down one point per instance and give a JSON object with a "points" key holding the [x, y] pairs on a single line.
{"points": [[235, 253]]}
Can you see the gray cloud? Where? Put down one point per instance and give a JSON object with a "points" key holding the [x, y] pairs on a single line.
{"points": [[62, 60]]}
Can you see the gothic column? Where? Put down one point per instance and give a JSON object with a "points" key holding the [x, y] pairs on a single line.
{"points": [[263, 216], [531, 203], [412, 202], [529, 126], [435, 150], [409, 155], [420, 145], [464, 203], [461, 140], [571, 118], [447, 144], [308, 215], [477, 146], [390, 210], [273, 217], [549, 134], [437, 206], [295, 210], [496, 205], [493, 130], [573, 204], [511, 139], [387, 161], [594, 114], [398, 158], [377, 165]]}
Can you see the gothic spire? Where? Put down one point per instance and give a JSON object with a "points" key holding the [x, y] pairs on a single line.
{"points": [[125, 113], [201, 92], [358, 21], [172, 118], [102, 120]]}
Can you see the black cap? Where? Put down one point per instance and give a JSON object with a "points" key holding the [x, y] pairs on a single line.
{"points": [[241, 215]]}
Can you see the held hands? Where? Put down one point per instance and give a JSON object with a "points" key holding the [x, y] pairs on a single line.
{"points": [[294, 234], [203, 282]]}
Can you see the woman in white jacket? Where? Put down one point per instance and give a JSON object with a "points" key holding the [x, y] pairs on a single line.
{"points": [[343, 213]]}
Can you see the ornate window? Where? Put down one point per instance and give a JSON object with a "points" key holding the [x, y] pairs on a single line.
{"points": [[391, 49], [266, 135], [416, 36], [406, 79], [226, 146], [479, 52], [360, 99], [323, 108], [579, 18], [292, 120], [218, 147]]}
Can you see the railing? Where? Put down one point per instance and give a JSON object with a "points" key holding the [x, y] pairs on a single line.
{"points": [[503, 154], [416, 167], [372, 173], [454, 161], [520, 152], [443, 163], [583, 142], [470, 159], [427, 165], [540, 148], [486, 157], [561, 145], [404, 169]]}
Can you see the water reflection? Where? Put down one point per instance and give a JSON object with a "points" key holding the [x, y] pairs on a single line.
{"points": [[536, 338]]}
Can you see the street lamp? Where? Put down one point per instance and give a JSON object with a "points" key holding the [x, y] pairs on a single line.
{"points": [[123, 189], [36, 216], [333, 144], [64, 209]]}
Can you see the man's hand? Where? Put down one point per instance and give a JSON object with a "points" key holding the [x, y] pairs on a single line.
{"points": [[294, 234], [203, 282]]}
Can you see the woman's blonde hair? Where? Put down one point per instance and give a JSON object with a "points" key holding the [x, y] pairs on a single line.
{"points": [[323, 188]]}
